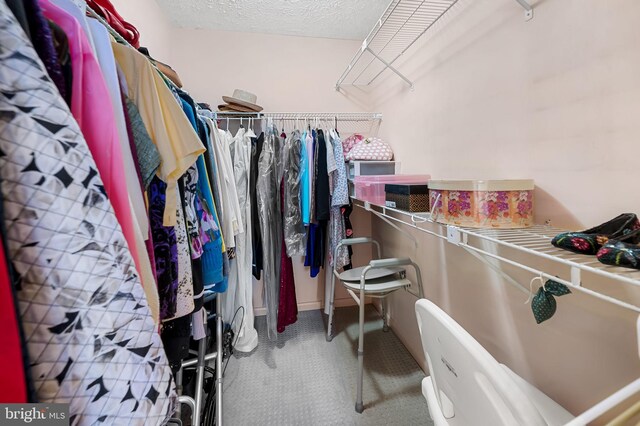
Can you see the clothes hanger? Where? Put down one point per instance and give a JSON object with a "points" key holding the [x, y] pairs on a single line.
{"points": [[250, 131]]}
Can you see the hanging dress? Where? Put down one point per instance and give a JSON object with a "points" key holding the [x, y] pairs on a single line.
{"points": [[239, 295], [267, 190], [293, 226], [256, 240]]}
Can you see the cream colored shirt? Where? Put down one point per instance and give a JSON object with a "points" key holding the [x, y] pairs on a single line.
{"points": [[165, 121]]}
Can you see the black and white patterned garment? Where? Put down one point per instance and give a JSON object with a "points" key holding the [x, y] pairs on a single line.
{"points": [[91, 339]]}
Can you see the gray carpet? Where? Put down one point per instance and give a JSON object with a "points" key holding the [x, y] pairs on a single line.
{"points": [[304, 380]]}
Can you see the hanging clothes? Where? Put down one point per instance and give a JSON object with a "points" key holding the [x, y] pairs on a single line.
{"points": [[64, 82], [90, 331], [99, 130], [288, 304], [270, 224], [229, 206], [293, 228], [152, 295], [314, 175], [208, 211], [78, 10], [107, 64], [165, 246], [339, 198], [37, 28], [148, 157], [168, 127], [139, 215], [320, 210], [322, 194], [184, 292], [313, 230], [256, 241], [235, 212], [306, 162], [240, 290]]}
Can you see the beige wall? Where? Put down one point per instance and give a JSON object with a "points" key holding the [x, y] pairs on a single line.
{"points": [[287, 73], [555, 99], [153, 25]]}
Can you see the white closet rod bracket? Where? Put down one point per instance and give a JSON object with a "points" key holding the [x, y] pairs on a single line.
{"points": [[528, 10]]}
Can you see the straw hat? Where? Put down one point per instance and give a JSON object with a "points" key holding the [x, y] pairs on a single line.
{"points": [[234, 108], [242, 98]]}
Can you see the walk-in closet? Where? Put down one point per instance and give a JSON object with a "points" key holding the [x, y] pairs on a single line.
{"points": [[348, 212]]}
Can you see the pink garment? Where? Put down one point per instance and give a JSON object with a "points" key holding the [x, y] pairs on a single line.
{"points": [[91, 108]]}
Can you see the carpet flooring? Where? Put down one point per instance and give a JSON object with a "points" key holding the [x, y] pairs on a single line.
{"points": [[304, 380]]}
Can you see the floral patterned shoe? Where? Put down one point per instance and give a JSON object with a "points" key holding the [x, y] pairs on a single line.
{"points": [[624, 251], [590, 241]]}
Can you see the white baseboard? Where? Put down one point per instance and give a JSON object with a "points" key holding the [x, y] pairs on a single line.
{"points": [[311, 306]]}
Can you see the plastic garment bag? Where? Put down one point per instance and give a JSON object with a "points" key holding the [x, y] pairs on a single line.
{"points": [[240, 290], [295, 237], [268, 194]]}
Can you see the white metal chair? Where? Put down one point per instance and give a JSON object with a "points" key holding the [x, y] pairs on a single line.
{"points": [[468, 386], [378, 279]]}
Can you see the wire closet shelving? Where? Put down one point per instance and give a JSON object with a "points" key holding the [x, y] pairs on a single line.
{"points": [[568, 267], [400, 26]]}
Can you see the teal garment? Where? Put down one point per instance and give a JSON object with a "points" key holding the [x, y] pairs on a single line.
{"points": [[212, 257], [304, 186], [210, 165]]}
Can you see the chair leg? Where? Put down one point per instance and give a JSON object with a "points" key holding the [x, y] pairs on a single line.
{"points": [[359, 404], [197, 409], [385, 324], [331, 308], [219, 376]]}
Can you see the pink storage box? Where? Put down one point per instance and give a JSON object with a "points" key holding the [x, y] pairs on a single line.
{"points": [[371, 188]]}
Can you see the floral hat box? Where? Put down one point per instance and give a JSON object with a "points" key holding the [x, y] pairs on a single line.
{"points": [[482, 203]]}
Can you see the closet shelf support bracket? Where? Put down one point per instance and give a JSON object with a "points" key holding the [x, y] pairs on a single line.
{"points": [[388, 65], [528, 10]]}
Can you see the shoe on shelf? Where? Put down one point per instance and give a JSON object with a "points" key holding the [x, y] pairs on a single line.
{"points": [[624, 251], [590, 241]]}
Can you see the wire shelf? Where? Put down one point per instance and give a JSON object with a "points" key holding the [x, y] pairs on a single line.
{"points": [[399, 27], [533, 241]]}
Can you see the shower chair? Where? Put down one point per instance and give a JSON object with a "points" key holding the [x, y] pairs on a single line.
{"points": [[378, 279]]}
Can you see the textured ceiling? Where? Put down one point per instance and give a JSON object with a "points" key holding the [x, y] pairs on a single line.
{"points": [[346, 19]]}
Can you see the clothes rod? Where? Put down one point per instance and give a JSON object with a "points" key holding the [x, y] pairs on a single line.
{"points": [[298, 116]]}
